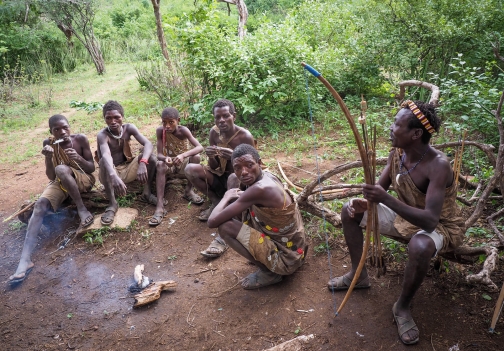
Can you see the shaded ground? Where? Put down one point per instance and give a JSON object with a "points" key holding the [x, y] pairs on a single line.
{"points": [[76, 298]]}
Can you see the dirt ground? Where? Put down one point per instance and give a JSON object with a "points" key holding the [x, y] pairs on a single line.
{"points": [[77, 298]]}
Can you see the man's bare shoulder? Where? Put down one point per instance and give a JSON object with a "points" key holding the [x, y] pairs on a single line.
{"points": [[184, 132], [102, 133], [80, 137]]}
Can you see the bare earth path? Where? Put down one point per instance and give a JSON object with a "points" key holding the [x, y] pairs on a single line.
{"points": [[77, 298]]}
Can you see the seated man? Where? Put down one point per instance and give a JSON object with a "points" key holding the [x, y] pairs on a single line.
{"points": [[69, 164], [424, 215], [174, 153], [272, 233], [117, 165], [212, 180]]}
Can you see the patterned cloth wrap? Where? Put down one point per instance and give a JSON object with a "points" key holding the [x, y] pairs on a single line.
{"points": [[451, 225], [277, 237]]}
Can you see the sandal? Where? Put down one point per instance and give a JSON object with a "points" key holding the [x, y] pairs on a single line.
{"points": [[152, 200], [107, 219], [404, 325], [157, 218], [343, 283], [260, 279], [194, 199], [15, 281], [87, 222], [216, 248]]}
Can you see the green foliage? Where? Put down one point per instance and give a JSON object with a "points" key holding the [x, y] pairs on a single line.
{"points": [[261, 74], [96, 236], [468, 96], [90, 107], [126, 200], [478, 232]]}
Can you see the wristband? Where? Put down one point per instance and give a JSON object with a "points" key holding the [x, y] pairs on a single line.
{"points": [[144, 160]]}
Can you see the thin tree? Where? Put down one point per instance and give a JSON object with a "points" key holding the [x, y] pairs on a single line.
{"points": [[75, 17], [160, 33], [242, 15]]}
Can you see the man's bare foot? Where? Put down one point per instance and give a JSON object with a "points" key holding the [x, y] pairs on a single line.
{"points": [[406, 327], [194, 198], [86, 218], [24, 268], [260, 279], [205, 214]]}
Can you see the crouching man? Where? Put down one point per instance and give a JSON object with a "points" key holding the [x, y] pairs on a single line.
{"points": [[270, 233]]}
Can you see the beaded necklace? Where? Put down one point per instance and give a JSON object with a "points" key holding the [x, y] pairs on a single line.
{"points": [[408, 170], [116, 136]]}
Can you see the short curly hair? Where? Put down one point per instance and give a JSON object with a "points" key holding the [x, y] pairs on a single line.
{"points": [[56, 118], [170, 112], [112, 105], [224, 103], [429, 112], [245, 149]]}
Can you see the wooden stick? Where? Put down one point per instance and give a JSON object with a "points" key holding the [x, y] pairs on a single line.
{"points": [[287, 179], [18, 212], [330, 189], [459, 158], [497, 311]]}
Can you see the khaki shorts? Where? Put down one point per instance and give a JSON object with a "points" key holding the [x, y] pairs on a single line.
{"points": [[127, 172], [386, 219], [56, 194]]}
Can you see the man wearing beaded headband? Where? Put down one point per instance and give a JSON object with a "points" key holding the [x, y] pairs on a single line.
{"points": [[424, 215], [118, 167], [69, 164], [270, 233]]}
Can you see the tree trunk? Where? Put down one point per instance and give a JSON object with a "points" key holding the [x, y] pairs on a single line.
{"points": [[160, 33], [242, 15]]}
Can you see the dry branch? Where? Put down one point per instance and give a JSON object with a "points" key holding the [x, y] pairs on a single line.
{"points": [[418, 83], [295, 344], [152, 292]]}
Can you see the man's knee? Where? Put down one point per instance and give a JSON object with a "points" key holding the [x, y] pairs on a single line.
{"points": [[421, 246], [161, 167], [228, 230], [42, 206], [192, 170], [345, 216], [62, 171], [196, 159], [232, 181]]}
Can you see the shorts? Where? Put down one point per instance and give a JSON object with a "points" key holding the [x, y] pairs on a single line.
{"points": [[386, 218], [56, 195], [127, 172], [219, 184]]}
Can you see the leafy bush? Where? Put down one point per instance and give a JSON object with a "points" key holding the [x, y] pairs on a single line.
{"points": [[468, 95]]}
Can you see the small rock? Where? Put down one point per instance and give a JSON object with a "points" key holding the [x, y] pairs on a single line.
{"points": [[196, 280]]}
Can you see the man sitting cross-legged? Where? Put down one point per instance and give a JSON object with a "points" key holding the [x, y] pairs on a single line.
{"points": [[424, 215], [174, 154], [117, 165], [212, 180], [69, 164], [270, 233]]}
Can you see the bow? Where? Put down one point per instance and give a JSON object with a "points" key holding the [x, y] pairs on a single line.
{"points": [[368, 176]]}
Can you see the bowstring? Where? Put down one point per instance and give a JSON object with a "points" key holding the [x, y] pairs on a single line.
{"points": [[324, 222]]}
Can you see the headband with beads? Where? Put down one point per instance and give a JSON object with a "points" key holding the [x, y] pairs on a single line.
{"points": [[421, 117]]}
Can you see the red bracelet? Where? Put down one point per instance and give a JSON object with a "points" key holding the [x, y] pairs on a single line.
{"points": [[144, 160]]}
